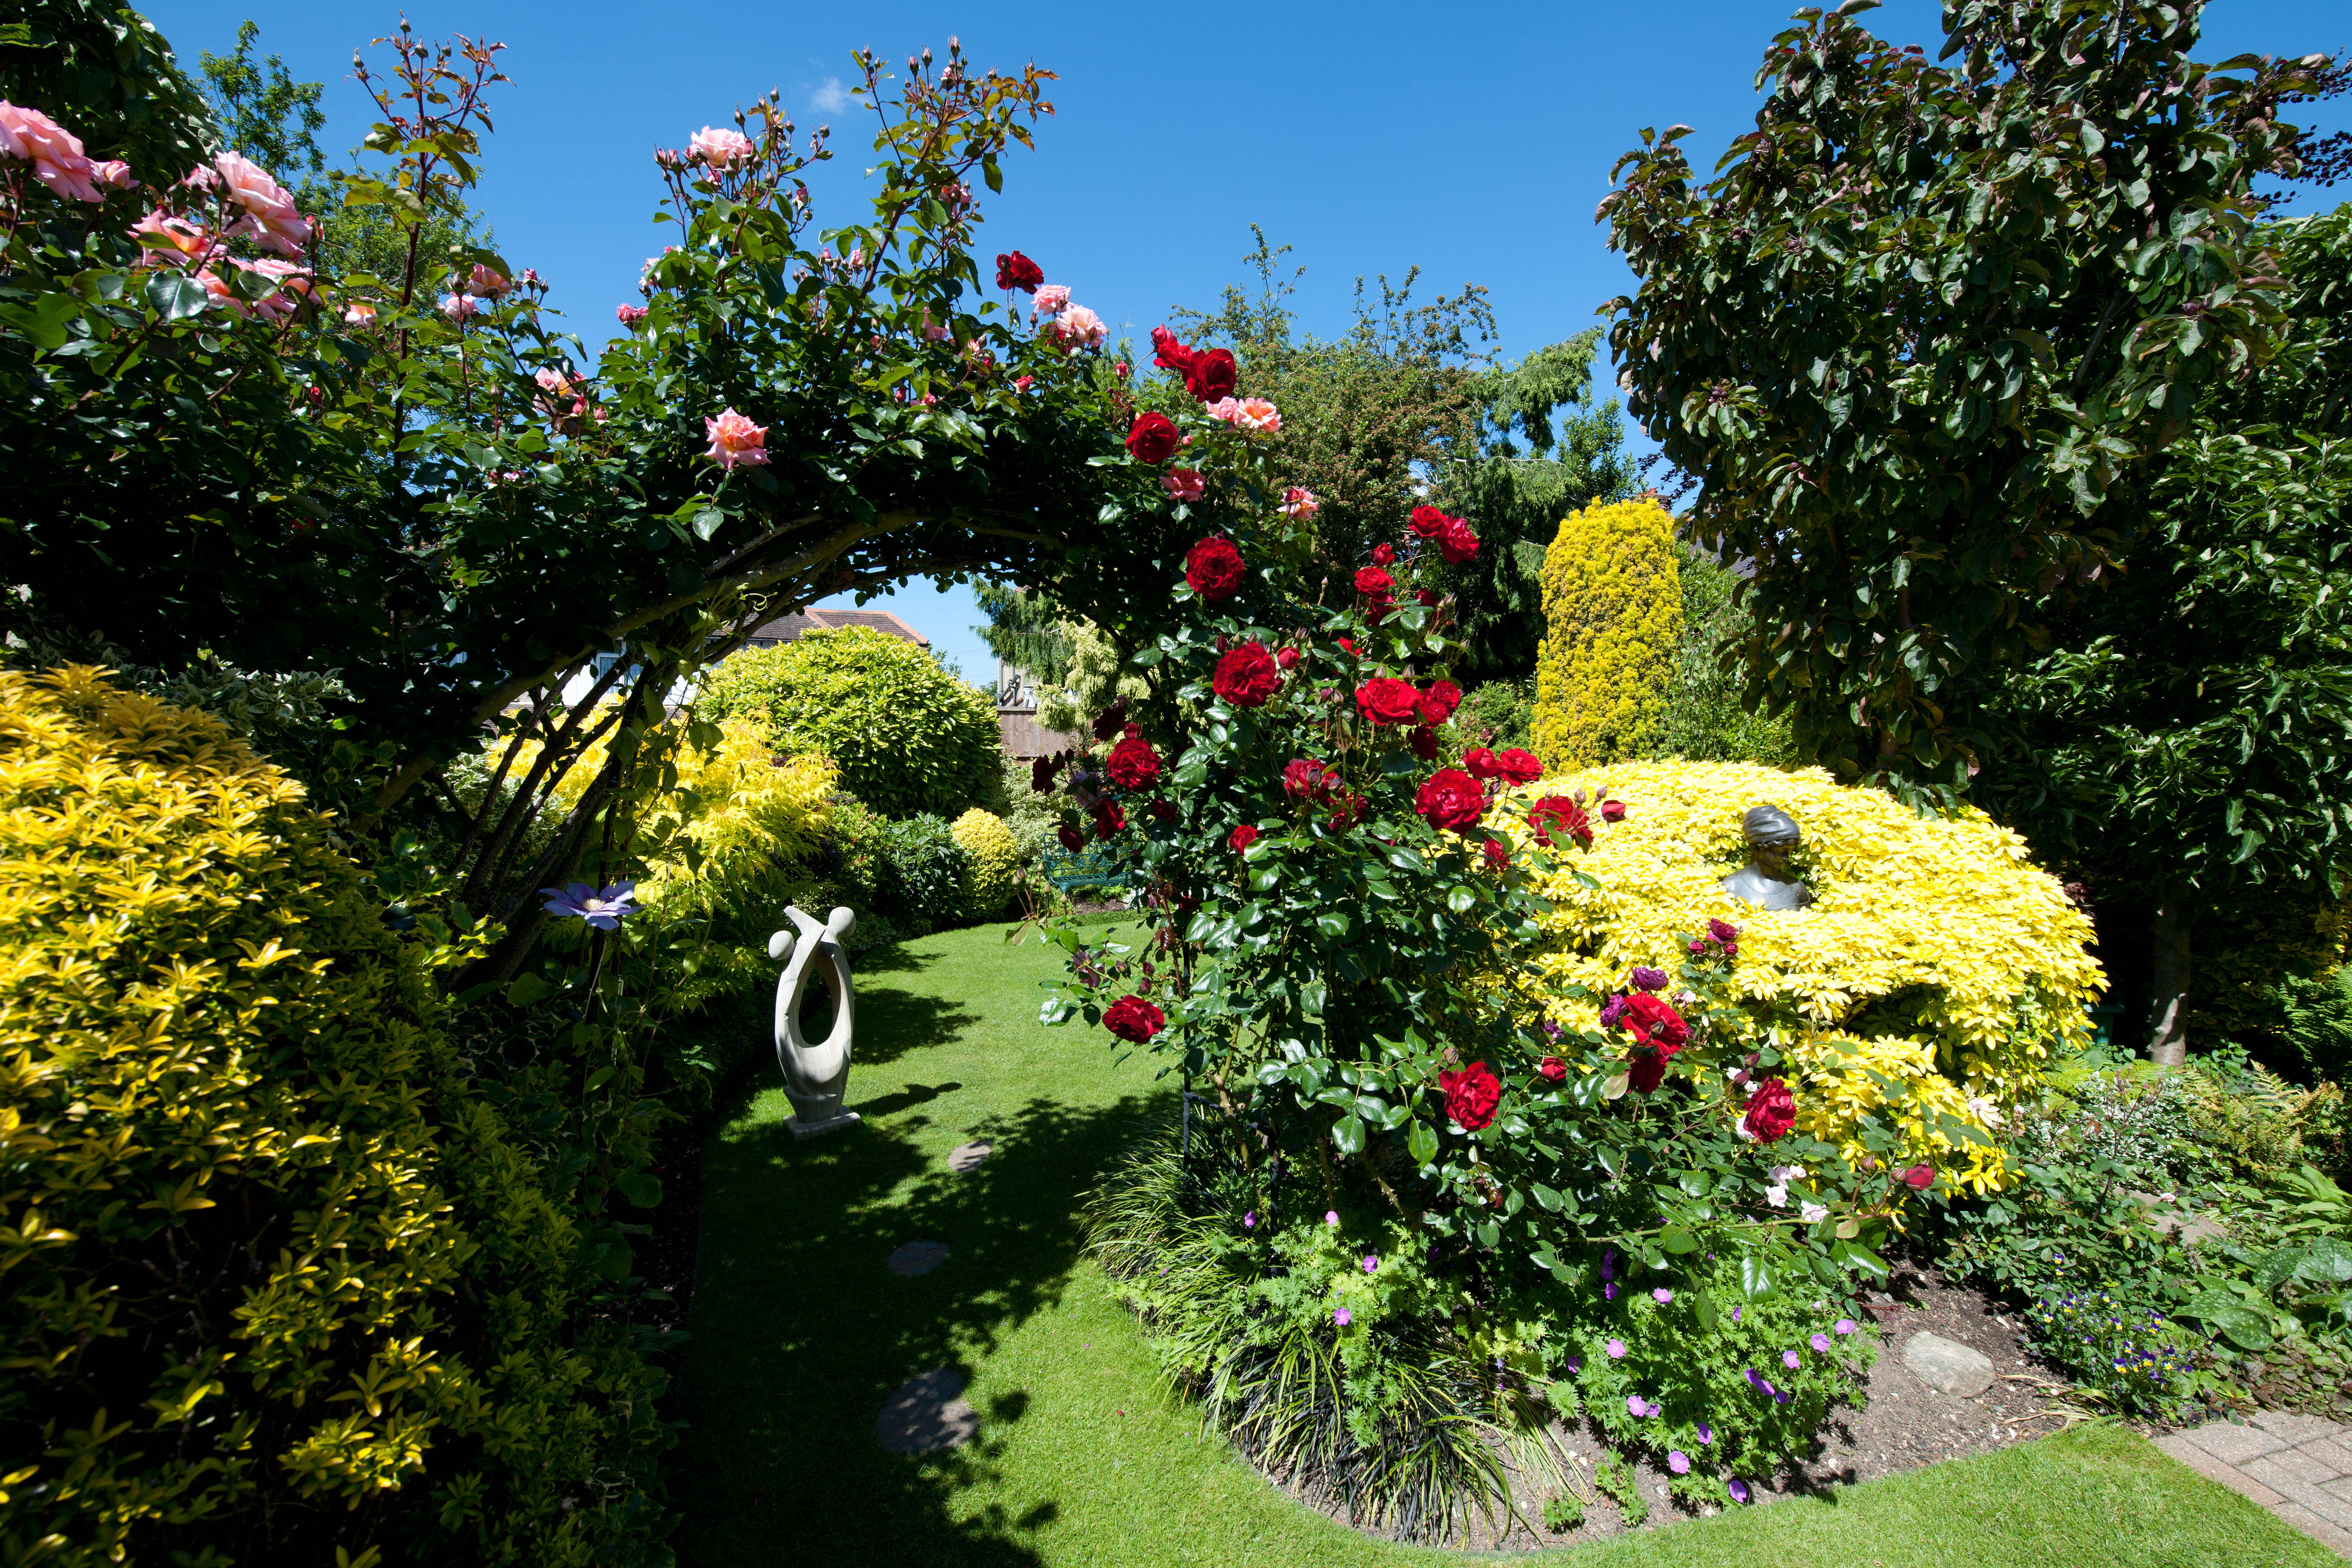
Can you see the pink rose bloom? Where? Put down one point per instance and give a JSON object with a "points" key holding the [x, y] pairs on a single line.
{"points": [[1225, 408], [1079, 327], [1024, 382], [735, 439], [721, 148], [222, 294], [929, 398], [629, 315], [270, 214], [171, 241], [361, 315], [551, 380], [295, 280], [1299, 504], [114, 171], [485, 283], [1183, 484], [1052, 298], [458, 307], [201, 178], [54, 152], [1256, 414]]}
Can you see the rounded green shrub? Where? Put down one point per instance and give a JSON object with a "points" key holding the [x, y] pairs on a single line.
{"points": [[1612, 618], [993, 857], [281, 1284], [907, 736]]}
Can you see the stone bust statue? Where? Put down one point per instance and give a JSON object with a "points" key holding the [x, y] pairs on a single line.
{"points": [[1765, 881]]}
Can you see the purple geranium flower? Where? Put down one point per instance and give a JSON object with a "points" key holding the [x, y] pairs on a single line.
{"points": [[1331, 1217], [1616, 1349], [1662, 1295], [1609, 1291], [1249, 1220], [1678, 1461], [1791, 1360], [1372, 1264], [1343, 1317], [1738, 1489], [1734, 1314], [1575, 1363], [1845, 1325], [1705, 1434], [1636, 1407], [605, 910], [1608, 1263], [1821, 1343], [1782, 1396], [1648, 979]]}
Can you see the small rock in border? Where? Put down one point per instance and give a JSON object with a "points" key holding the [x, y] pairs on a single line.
{"points": [[969, 1156]]}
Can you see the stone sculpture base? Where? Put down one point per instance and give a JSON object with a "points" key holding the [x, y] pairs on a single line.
{"points": [[803, 1128]]}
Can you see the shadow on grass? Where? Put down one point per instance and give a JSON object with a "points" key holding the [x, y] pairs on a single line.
{"points": [[801, 1330]]}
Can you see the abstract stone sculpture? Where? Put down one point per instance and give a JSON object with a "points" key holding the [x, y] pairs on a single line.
{"points": [[1765, 881], [817, 1076]]}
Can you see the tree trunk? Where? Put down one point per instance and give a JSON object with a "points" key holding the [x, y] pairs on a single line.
{"points": [[2168, 1044]]}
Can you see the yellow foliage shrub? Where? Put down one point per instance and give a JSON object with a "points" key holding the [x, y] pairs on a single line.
{"points": [[994, 856], [1612, 615], [277, 1282], [1935, 971], [743, 819]]}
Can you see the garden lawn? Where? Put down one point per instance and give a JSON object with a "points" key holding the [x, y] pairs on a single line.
{"points": [[801, 1332]]}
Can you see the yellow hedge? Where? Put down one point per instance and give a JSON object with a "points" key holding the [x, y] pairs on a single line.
{"points": [[994, 856], [1935, 971], [1612, 615], [278, 1283]]}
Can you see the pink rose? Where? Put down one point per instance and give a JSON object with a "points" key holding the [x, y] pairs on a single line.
{"points": [[171, 241], [270, 214], [222, 294], [1256, 414], [629, 315], [485, 283], [458, 307], [721, 148], [1226, 408], [735, 439], [359, 315], [1183, 484], [54, 152], [114, 171], [1052, 298], [1299, 505], [1077, 327]]}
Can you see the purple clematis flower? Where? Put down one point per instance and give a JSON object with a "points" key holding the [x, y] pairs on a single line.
{"points": [[605, 910]]}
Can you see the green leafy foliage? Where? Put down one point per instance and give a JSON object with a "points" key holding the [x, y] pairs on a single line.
{"points": [[1705, 718], [907, 736]]}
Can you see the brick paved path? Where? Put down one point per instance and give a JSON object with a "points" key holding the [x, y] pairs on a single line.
{"points": [[2298, 1466]]}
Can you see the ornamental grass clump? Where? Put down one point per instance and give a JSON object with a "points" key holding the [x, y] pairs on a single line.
{"points": [[1935, 973]]}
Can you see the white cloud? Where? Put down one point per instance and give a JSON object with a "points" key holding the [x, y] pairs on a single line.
{"points": [[832, 98]]}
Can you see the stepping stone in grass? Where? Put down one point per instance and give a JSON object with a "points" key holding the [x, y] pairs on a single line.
{"points": [[1947, 1366], [968, 1156], [927, 1414], [918, 1257]]}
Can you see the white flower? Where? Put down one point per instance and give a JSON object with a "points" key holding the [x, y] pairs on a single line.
{"points": [[1813, 1213], [1984, 1110], [1781, 1175], [1777, 1195]]}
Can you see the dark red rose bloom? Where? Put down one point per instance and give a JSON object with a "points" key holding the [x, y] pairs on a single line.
{"points": [[1110, 819], [1455, 542], [1647, 1071], [1288, 658], [1041, 775], [1772, 1111], [1553, 1068], [1246, 675], [1424, 741], [1497, 856], [1111, 721], [1653, 1020], [1518, 767], [1385, 701], [1170, 354], [1133, 763], [1214, 568], [1242, 838], [1161, 808], [1438, 702], [1427, 521], [1471, 1095], [1613, 811], [1348, 644], [1352, 807], [1210, 375], [1310, 778], [1383, 553], [1133, 1018], [1919, 1178], [1072, 840], [1557, 813], [1723, 932], [1425, 596], [1451, 798], [1481, 763], [1017, 271], [1373, 582], [1153, 438]]}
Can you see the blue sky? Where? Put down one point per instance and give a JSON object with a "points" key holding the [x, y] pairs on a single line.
{"points": [[1471, 141]]}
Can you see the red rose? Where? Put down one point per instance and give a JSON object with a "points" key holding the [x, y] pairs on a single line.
{"points": [[1210, 375], [1072, 840], [1133, 763], [1288, 658], [1349, 645], [1245, 676], [1497, 856], [1108, 819], [1017, 271], [1919, 1178], [1153, 438], [1427, 521], [1133, 1018], [1553, 1068], [1041, 775], [1373, 582], [1308, 777], [1471, 1094], [1111, 721], [1518, 767], [1647, 1072], [1438, 703], [1451, 799], [1161, 808], [1557, 813], [1351, 806], [1613, 811], [1481, 763], [1654, 1022], [1424, 741], [1772, 1111], [1170, 354], [1242, 838], [1455, 542], [1384, 701], [1383, 553], [1213, 567]]}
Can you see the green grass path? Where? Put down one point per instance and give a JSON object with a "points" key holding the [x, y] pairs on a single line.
{"points": [[800, 1331]]}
